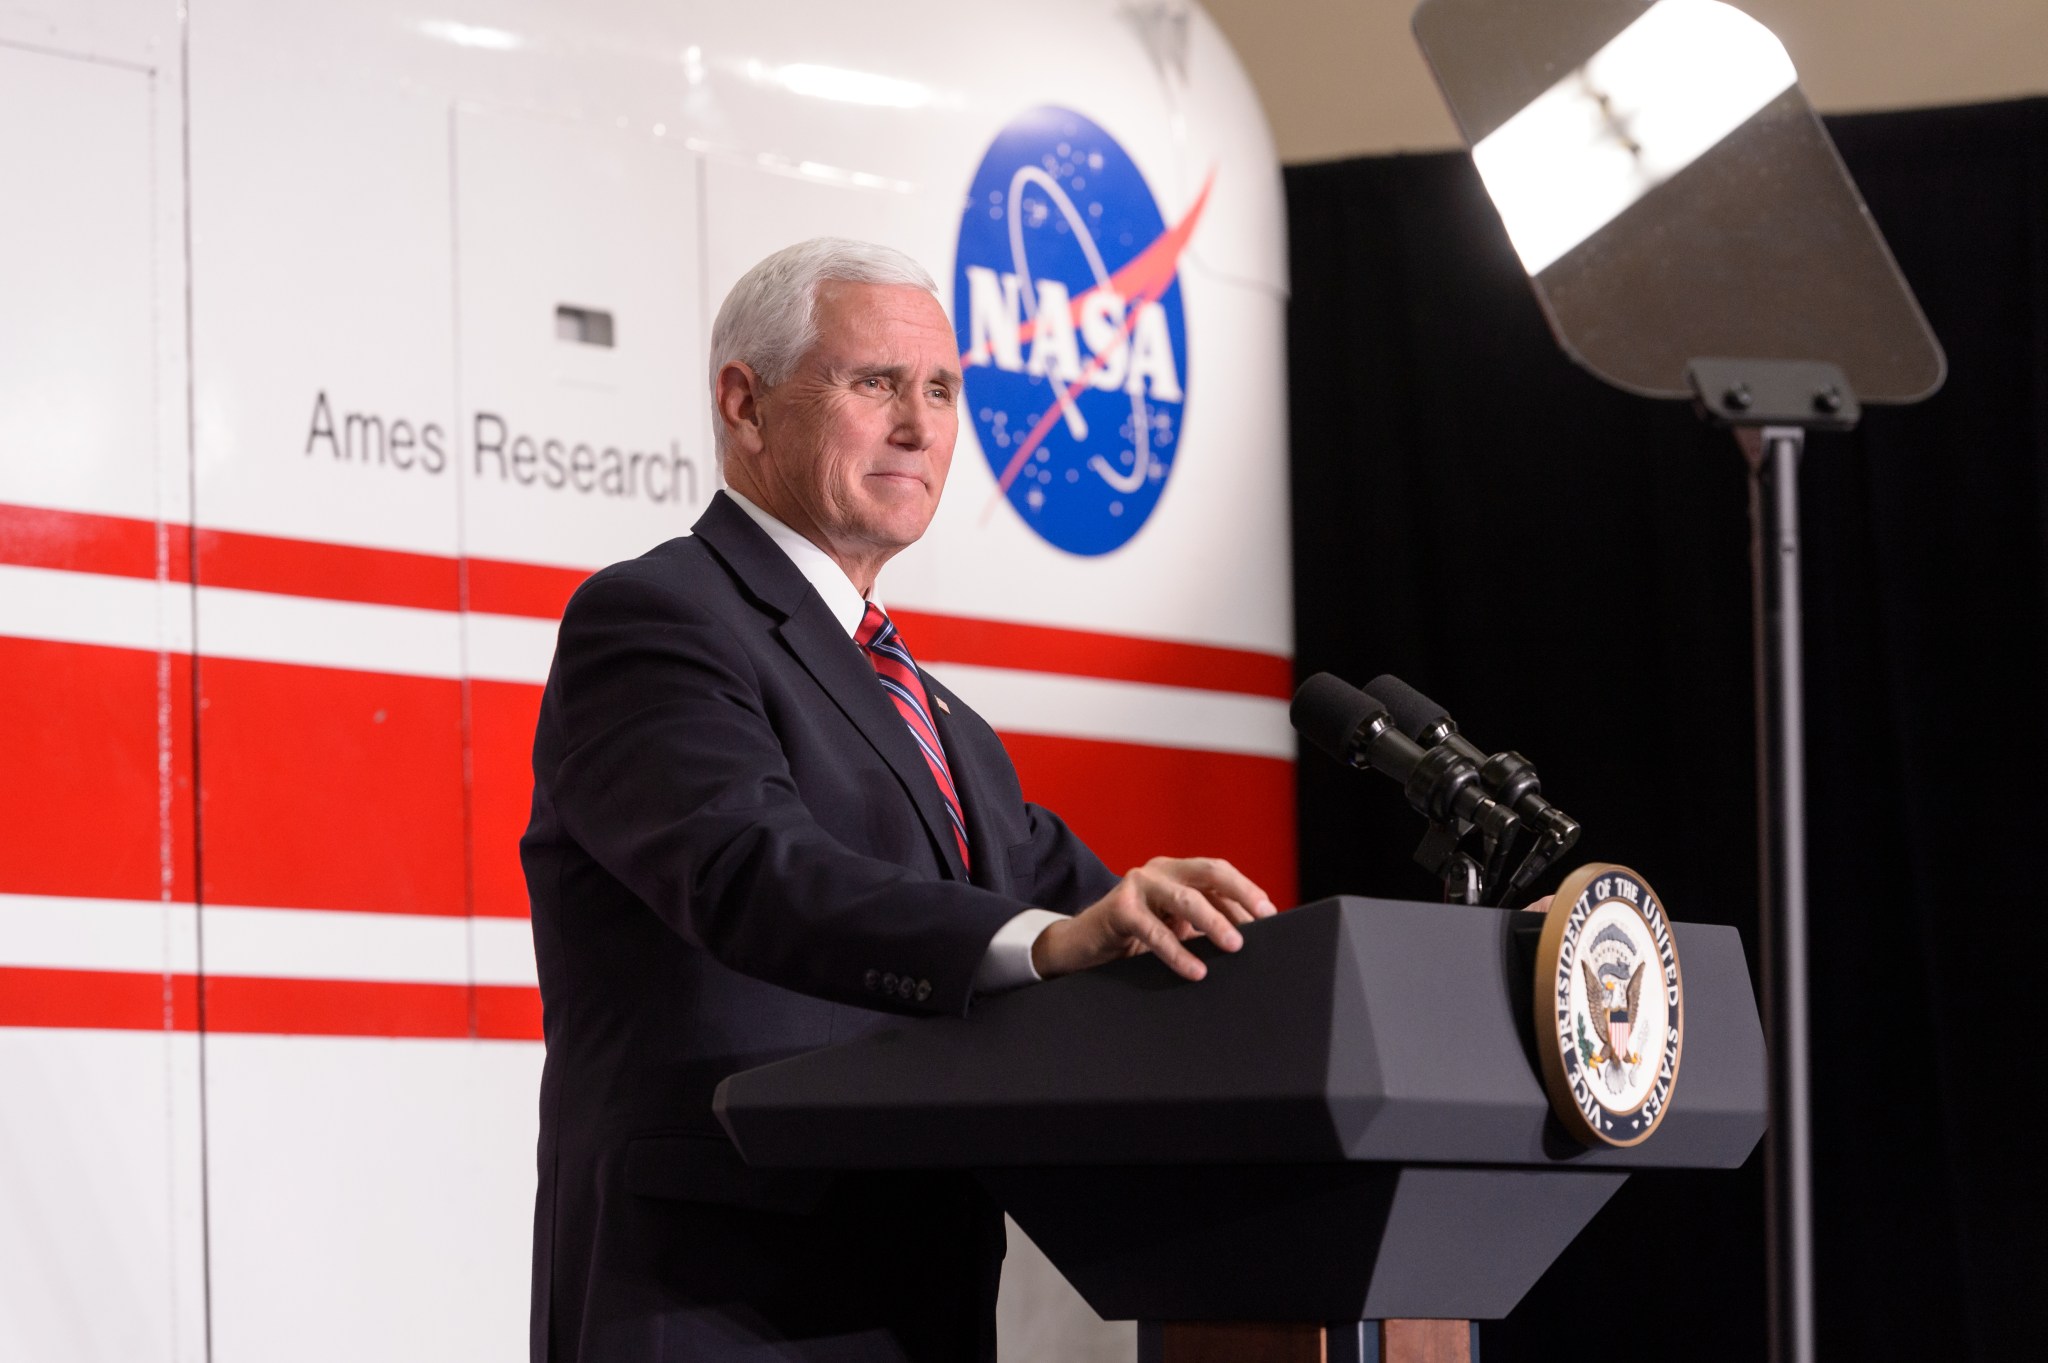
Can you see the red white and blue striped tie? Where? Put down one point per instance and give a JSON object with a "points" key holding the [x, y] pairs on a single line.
{"points": [[884, 646]]}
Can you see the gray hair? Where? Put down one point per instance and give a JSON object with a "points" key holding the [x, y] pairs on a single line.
{"points": [[770, 319]]}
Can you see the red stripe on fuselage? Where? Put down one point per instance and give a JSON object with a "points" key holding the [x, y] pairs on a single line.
{"points": [[1128, 801], [1131, 802], [530, 589], [1089, 653], [331, 789], [142, 1001], [330, 572], [96, 777], [98, 1000], [124, 547], [120, 546]]}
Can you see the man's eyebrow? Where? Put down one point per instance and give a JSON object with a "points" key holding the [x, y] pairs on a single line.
{"points": [[950, 377], [877, 371]]}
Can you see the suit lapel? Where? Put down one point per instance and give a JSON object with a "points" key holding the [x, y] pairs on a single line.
{"points": [[821, 645], [834, 661]]}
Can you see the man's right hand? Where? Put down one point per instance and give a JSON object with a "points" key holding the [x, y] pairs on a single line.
{"points": [[1155, 908]]}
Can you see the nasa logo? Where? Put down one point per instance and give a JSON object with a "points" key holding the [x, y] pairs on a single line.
{"points": [[1067, 305], [1610, 1006]]}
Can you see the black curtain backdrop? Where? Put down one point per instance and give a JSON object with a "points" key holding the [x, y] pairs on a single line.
{"points": [[1566, 568]]}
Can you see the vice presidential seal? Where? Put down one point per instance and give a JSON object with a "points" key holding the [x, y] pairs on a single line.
{"points": [[1610, 1006]]}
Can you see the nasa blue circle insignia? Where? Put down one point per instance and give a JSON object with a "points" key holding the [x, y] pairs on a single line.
{"points": [[1067, 305]]}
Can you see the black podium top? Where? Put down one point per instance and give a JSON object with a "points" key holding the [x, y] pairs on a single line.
{"points": [[1345, 1030]]}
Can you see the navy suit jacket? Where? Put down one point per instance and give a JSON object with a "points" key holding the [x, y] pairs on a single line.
{"points": [[736, 853]]}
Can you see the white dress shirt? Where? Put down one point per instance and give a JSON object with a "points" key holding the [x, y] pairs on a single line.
{"points": [[1007, 962]]}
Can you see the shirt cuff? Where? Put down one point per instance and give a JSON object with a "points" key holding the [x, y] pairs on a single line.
{"points": [[1007, 962]]}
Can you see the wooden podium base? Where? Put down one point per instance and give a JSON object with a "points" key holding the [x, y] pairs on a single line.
{"points": [[1205, 1342], [1426, 1341], [1399, 1341]]}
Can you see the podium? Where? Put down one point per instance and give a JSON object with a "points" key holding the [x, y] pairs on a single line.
{"points": [[1344, 1122]]}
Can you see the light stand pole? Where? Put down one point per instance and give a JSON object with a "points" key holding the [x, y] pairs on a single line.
{"points": [[1781, 908], [1770, 405], [1672, 195]]}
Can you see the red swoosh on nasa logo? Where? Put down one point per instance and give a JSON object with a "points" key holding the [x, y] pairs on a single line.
{"points": [[1142, 279]]}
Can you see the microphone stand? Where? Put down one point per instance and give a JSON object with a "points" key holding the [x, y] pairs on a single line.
{"points": [[1464, 876], [1438, 853]]}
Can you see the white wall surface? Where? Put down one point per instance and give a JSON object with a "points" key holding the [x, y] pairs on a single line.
{"points": [[274, 619]]}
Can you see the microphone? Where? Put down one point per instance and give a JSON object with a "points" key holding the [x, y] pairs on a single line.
{"points": [[1441, 783], [1419, 717], [1508, 777]]}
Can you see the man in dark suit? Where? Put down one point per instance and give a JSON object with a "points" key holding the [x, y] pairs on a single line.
{"points": [[758, 829]]}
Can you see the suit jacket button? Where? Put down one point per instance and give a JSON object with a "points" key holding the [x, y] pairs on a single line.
{"points": [[924, 990], [889, 983], [906, 987], [873, 980]]}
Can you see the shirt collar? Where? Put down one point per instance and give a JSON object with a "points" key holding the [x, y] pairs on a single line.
{"points": [[827, 578]]}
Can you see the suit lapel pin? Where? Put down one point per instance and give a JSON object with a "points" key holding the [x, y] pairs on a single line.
{"points": [[940, 701]]}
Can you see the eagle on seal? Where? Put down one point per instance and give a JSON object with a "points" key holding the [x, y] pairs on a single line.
{"points": [[1612, 1023]]}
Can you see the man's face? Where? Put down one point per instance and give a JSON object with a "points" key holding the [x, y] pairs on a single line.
{"points": [[856, 443]]}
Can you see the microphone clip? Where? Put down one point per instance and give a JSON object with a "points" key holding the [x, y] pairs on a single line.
{"points": [[1464, 876]]}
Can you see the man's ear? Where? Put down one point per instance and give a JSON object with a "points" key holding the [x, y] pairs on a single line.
{"points": [[738, 394]]}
